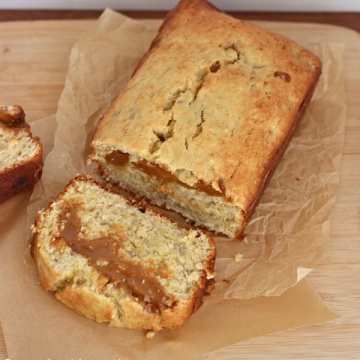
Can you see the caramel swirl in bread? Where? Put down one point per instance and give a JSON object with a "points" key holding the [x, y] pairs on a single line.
{"points": [[118, 261]]}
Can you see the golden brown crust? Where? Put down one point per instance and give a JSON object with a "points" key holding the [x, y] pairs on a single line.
{"points": [[219, 99], [87, 303], [275, 160]]}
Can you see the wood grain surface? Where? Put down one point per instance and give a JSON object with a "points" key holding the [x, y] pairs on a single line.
{"points": [[346, 19], [33, 75]]}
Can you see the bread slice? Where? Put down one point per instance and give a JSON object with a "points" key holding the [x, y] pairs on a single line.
{"points": [[20, 153], [120, 262], [206, 117]]}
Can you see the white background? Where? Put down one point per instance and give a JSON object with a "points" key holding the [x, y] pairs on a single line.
{"points": [[240, 5]]}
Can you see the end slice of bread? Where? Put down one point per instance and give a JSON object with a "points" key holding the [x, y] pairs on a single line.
{"points": [[115, 260], [20, 153]]}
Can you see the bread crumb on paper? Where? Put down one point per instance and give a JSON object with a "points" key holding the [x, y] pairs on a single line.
{"points": [[238, 257], [150, 335]]}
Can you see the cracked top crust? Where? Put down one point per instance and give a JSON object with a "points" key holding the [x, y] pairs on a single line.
{"points": [[215, 99]]}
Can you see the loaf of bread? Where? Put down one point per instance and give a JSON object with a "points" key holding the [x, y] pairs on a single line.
{"points": [[206, 116], [20, 153], [118, 261]]}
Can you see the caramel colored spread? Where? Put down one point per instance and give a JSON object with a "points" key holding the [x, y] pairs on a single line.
{"points": [[157, 172], [14, 118], [283, 76], [102, 253], [119, 158]]}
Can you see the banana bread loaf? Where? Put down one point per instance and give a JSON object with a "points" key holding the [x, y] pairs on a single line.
{"points": [[118, 261], [206, 116]]}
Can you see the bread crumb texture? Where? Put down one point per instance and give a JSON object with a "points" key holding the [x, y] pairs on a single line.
{"points": [[115, 262], [16, 147]]}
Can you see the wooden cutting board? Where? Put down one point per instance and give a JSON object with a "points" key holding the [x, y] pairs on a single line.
{"points": [[33, 66]]}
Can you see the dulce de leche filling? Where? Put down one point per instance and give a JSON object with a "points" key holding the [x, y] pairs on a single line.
{"points": [[119, 158], [102, 253]]}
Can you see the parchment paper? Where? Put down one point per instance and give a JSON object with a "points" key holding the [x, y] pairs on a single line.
{"points": [[285, 237]]}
